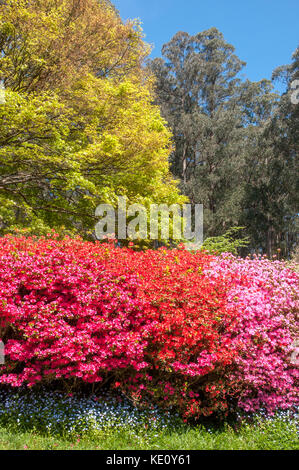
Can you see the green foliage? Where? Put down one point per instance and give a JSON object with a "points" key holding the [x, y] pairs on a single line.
{"points": [[227, 243], [213, 116], [236, 141], [78, 127]]}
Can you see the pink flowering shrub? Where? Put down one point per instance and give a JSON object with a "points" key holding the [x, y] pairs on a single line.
{"points": [[192, 330], [150, 323], [266, 294], [66, 317]]}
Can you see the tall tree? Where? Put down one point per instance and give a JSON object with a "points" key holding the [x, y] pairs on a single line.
{"points": [[213, 115], [77, 127], [47, 45], [284, 132]]}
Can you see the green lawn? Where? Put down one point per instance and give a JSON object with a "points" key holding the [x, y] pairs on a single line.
{"points": [[274, 435], [45, 419]]}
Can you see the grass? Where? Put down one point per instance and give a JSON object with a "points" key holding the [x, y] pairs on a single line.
{"points": [[272, 435], [51, 421]]}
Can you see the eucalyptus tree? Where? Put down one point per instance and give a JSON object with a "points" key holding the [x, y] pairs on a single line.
{"points": [[213, 115]]}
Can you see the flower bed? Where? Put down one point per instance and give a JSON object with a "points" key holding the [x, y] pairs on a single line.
{"points": [[198, 332]]}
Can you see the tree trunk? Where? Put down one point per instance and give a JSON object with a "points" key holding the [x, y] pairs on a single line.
{"points": [[270, 242], [184, 162]]}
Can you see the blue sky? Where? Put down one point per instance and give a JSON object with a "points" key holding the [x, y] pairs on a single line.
{"points": [[264, 32]]}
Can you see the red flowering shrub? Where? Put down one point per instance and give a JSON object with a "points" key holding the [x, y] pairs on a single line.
{"points": [[71, 309], [176, 328], [63, 316], [191, 350]]}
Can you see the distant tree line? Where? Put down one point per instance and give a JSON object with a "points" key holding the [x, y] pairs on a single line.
{"points": [[235, 141], [81, 124]]}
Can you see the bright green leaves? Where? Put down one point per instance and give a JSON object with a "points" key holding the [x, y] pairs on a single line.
{"points": [[78, 127]]}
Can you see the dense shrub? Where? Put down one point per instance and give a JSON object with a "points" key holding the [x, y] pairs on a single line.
{"points": [[191, 350], [66, 316], [268, 302], [190, 330]]}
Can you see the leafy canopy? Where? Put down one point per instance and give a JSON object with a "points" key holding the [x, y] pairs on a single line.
{"points": [[78, 126]]}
